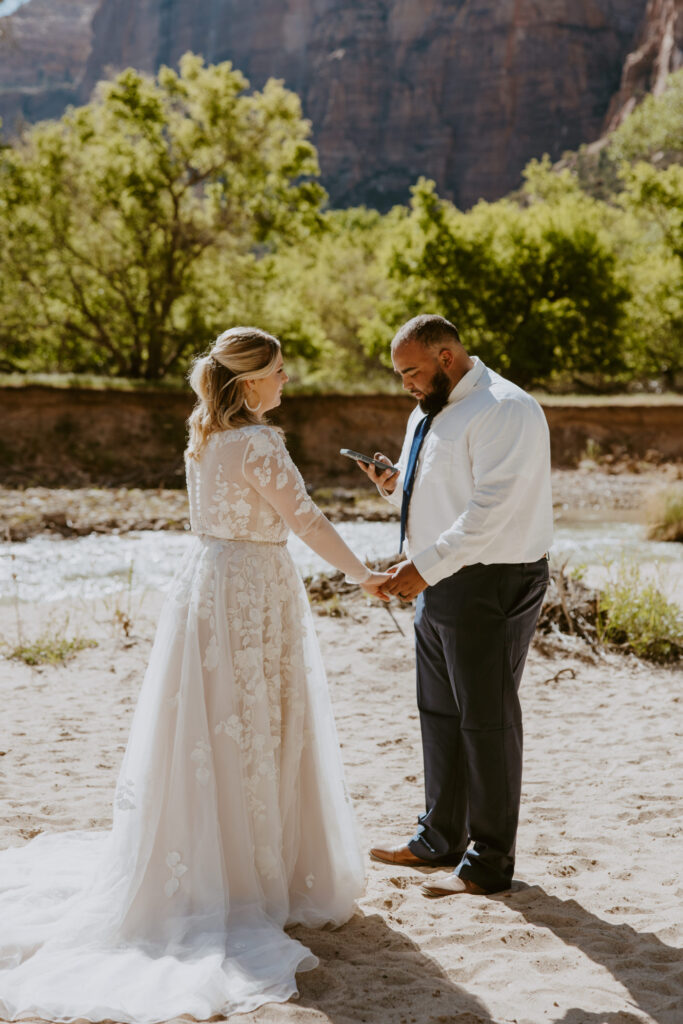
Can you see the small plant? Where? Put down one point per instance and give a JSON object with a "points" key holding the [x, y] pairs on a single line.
{"points": [[124, 622], [577, 572], [592, 452], [665, 514], [49, 649], [331, 606], [126, 605], [52, 647], [636, 615]]}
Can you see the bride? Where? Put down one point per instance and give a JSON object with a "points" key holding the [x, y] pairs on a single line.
{"points": [[231, 821]]}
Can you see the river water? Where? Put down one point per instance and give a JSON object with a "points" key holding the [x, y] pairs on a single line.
{"points": [[46, 569]]}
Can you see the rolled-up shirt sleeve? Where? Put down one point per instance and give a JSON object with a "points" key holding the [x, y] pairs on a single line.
{"points": [[504, 440]]}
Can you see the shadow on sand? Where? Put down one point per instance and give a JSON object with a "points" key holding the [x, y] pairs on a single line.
{"points": [[649, 970], [377, 975]]}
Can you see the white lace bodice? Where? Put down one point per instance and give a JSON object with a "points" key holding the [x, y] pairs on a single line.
{"points": [[245, 486]]}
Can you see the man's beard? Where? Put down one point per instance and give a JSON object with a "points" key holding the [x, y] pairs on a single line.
{"points": [[440, 388]]}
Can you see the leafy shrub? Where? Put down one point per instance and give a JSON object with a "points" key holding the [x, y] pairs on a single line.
{"points": [[665, 514], [636, 615]]}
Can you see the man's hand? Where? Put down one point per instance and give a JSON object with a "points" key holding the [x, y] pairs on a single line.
{"points": [[382, 478], [405, 582]]}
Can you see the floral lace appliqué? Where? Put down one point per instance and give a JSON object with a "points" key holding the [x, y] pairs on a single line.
{"points": [[210, 661], [125, 792], [175, 865], [268, 863], [266, 452], [232, 727], [201, 755]]}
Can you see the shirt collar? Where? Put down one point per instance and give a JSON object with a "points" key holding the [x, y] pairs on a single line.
{"points": [[467, 382]]}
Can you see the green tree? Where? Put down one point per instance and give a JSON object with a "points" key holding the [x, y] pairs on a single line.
{"points": [[654, 199], [325, 288], [653, 131], [648, 147], [132, 228], [658, 195], [535, 289]]}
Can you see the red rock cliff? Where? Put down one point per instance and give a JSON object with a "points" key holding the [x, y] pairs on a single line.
{"points": [[658, 51], [464, 91], [44, 49]]}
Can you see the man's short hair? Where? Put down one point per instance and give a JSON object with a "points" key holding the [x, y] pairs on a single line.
{"points": [[428, 329]]}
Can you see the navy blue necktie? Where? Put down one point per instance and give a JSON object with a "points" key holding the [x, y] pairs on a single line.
{"points": [[409, 479]]}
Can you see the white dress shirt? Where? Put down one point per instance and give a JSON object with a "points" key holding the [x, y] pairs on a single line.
{"points": [[482, 484]]}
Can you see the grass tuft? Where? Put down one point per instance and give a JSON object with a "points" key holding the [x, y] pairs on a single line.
{"points": [[49, 649], [53, 647], [665, 514], [635, 615]]}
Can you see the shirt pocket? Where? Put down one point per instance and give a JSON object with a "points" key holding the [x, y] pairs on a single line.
{"points": [[437, 459]]}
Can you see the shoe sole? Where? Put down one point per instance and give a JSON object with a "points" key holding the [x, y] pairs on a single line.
{"points": [[434, 894]]}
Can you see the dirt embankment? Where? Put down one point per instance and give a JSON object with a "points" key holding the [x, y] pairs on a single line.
{"points": [[72, 438]]}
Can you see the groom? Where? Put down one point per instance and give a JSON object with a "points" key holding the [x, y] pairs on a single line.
{"points": [[476, 523]]}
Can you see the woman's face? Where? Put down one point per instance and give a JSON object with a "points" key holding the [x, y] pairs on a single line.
{"points": [[267, 390]]}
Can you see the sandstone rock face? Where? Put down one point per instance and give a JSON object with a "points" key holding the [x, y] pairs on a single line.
{"points": [[658, 51], [463, 91], [44, 48]]}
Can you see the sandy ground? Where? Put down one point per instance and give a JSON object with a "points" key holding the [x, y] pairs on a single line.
{"points": [[591, 931]]}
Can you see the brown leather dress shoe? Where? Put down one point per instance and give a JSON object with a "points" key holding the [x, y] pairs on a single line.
{"points": [[401, 856], [452, 885]]}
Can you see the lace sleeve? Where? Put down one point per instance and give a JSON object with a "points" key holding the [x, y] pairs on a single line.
{"points": [[268, 468]]}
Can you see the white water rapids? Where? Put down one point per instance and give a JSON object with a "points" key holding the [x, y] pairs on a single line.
{"points": [[52, 569]]}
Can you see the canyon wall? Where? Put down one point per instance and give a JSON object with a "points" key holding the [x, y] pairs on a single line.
{"points": [[463, 91], [658, 50], [44, 50]]}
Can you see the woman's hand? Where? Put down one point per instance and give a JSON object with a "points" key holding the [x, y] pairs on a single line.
{"points": [[374, 582]]}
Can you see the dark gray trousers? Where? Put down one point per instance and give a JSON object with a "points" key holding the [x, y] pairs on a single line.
{"points": [[472, 634]]}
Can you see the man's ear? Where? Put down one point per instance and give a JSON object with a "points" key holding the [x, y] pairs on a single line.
{"points": [[446, 358]]}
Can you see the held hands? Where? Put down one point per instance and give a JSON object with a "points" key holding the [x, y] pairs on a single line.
{"points": [[404, 582], [373, 585], [384, 479]]}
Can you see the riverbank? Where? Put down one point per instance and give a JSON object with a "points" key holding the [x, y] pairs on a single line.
{"points": [[82, 438], [591, 929], [592, 489]]}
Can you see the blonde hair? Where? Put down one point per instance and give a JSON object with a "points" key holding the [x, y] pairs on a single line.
{"points": [[238, 354]]}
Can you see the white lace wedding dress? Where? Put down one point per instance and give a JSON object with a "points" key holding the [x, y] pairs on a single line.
{"points": [[231, 819]]}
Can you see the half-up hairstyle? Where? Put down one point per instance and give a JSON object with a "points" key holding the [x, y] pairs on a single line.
{"points": [[239, 354]]}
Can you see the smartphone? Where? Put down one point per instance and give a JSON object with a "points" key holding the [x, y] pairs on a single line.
{"points": [[367, 460]]}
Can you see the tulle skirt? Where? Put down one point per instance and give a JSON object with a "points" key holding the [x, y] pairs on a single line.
{"points": [[231, 820]]}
